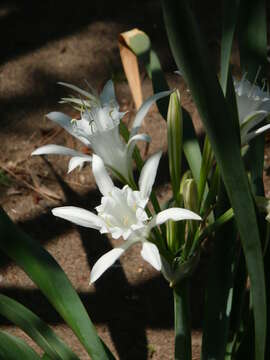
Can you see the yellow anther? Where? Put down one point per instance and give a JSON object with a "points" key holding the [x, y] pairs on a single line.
{"points": [[125, 220]]}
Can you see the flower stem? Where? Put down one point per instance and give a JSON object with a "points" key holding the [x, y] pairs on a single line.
{"points": [[182, 327]]}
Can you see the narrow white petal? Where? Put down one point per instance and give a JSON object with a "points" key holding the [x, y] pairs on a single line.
{"points": [[257, 132], [142, 137], [78, 161], [108, 259], [108, 93], [55, 150], [132, 142], [103, 263], [148, 175], [150, 254], [144, 109], [79, 216], [103, 180], [253, 119], [61, 119], [175, 214]]}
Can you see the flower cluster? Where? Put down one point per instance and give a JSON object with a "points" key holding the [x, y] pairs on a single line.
{"points": [[122, 212]]}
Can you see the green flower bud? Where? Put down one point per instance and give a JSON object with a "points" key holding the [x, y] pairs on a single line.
{"points": [[175, 140], [190, 195]]}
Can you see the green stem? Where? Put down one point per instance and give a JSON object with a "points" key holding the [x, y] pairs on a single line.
{"points": [[182, 326]]}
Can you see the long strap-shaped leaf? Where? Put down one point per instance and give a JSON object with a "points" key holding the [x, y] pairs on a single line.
{"points": [[36, 328], [190, 56], [252, 34], [220, 290], [13, 348], [45, 272], [230, 11]]}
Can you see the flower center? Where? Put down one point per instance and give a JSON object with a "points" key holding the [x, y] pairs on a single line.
{"points": [[122, 212]]}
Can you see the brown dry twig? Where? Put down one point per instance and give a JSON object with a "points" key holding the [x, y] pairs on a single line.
{"points": [[41, 191]]}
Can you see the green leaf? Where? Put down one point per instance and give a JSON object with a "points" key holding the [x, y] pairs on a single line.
{"points": [[45, 272], [13, 348], [159, 82], [207, 163], [191, 57], [219, 289], [230, 11], [252, 33], [191, 147], [35, 328]]}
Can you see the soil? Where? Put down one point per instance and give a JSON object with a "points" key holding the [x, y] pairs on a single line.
{"points": [[131, 305]]}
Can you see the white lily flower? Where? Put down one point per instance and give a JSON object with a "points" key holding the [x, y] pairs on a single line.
{"points": [[98, 129], [122, 213], [253, 107]]}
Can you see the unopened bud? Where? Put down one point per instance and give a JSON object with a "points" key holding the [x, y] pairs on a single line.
{"points": [[190, 195], [175, 134]]}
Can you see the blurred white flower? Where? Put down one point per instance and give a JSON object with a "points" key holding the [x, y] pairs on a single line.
{"points": [[253, 107], [122, 213], [98, 129]]}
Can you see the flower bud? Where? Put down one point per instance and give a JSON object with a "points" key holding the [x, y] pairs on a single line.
{"points": [[175, 135], [190, 195]]}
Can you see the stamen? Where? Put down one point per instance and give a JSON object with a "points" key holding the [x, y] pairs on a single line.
{"points": [[125, 220], [255, 80], [92, 90], [264, 82]]}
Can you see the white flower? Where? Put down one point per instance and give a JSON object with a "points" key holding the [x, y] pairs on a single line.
{"points": [[122, 213], [98, 129], [253, 107]]}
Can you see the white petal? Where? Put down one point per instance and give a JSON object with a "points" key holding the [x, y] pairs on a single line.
{"points": [[175, 214], [79, 216], [144, 109], [108, 259], [132, 142], [148, 175], [61, 119], [78, 161], [253, 119], [150, 254], [257, 132], [103, 263], [103, 180], [108, 93], [56, 150]]}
